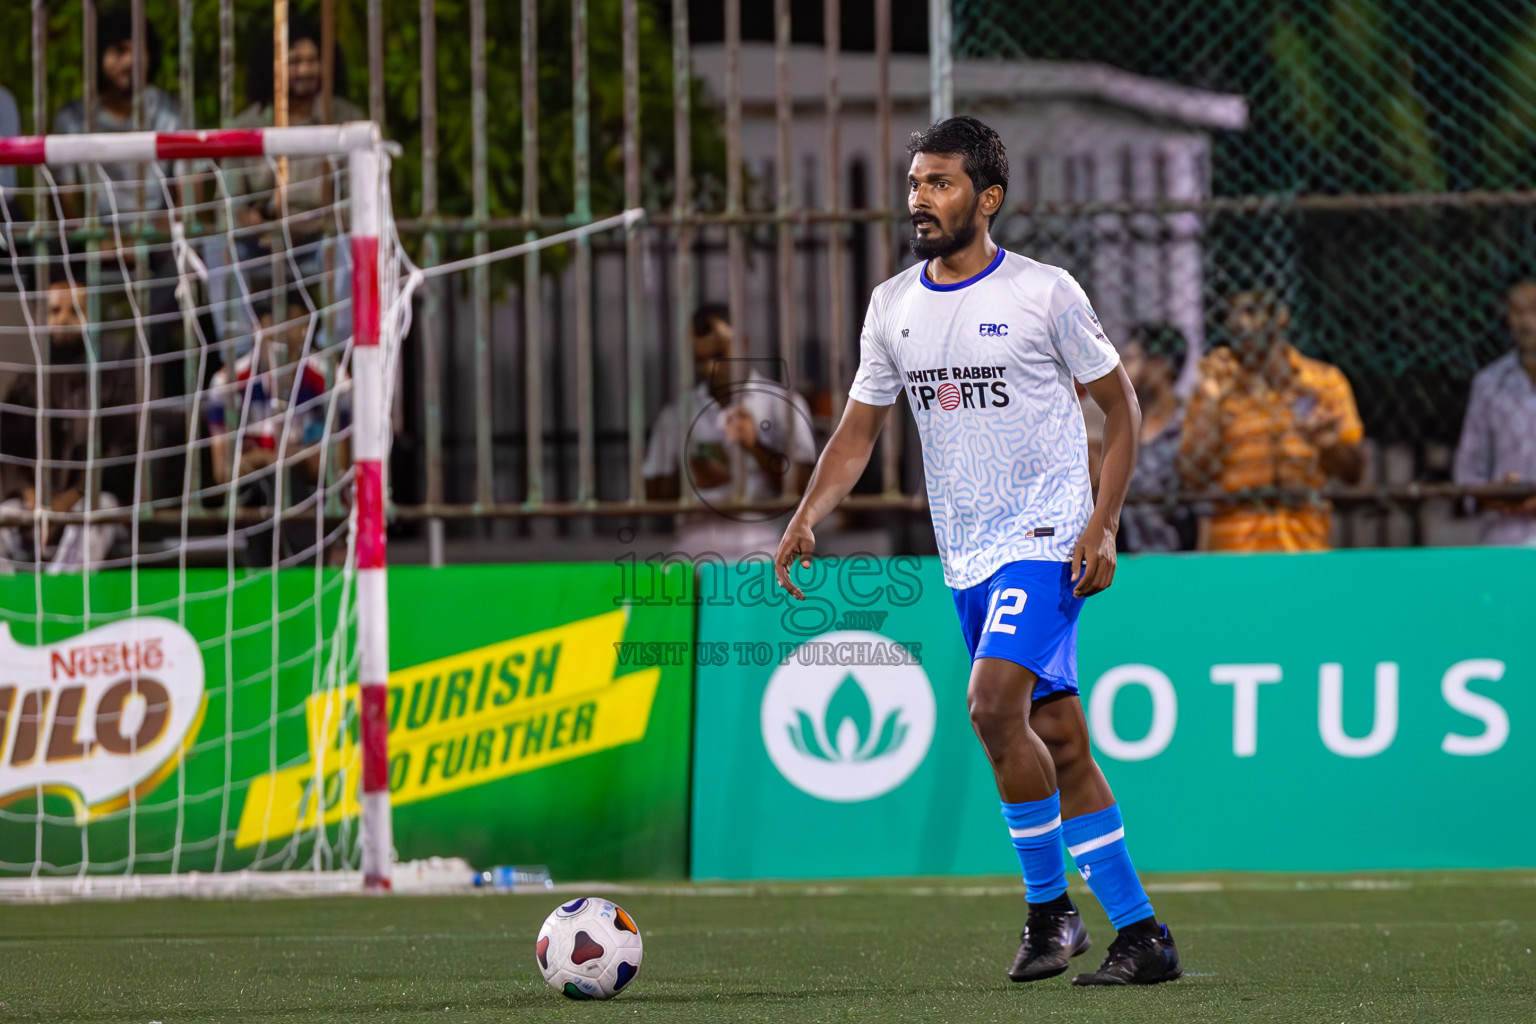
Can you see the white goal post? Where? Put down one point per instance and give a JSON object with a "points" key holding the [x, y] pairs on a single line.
{"points": [[178, 250]]}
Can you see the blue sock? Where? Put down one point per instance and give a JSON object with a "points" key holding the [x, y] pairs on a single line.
{"points": [[1097, 844], [1036, 830]]}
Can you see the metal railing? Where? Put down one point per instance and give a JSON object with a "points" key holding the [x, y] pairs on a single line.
{"points": [[499, 467]]}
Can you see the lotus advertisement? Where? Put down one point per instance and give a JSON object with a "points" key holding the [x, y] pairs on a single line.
{"points": [[1220, 721]]}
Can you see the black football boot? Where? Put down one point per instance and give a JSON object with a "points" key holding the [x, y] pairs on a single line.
{"points": [[1050, 939], [1138, 956]]}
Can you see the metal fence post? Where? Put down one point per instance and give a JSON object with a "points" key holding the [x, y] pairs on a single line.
{"points": [[941, 84]]}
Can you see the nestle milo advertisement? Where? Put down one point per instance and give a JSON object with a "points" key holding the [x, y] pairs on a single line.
{"points": [[1228, 698], [182, 723]]}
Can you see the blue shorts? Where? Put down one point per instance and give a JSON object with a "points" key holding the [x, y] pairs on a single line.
{"points": [[1025, 613]]}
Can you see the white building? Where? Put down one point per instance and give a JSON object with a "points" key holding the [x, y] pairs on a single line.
{"points": [[1075, 133]]}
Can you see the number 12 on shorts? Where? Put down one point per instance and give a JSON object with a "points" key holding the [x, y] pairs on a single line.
{"points": [[997, 609]]}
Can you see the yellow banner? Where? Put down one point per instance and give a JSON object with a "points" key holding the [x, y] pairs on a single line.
{"points": [[464, 720]]}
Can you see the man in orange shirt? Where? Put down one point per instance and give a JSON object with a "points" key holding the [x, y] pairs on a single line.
{"points": [[1271, 426]]}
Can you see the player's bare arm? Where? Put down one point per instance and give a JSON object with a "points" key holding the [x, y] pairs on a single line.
{"points": [[1093, 559], [839, 468]]}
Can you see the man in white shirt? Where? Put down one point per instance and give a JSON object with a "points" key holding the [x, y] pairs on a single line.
{"points": [[1498, 437], [748, 437], [985, 344]]}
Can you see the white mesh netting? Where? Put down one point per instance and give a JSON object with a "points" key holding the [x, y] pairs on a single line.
{"points": [[176, 418]]}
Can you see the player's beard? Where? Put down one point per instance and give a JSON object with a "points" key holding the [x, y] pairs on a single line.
{"points": [[939, 246]]}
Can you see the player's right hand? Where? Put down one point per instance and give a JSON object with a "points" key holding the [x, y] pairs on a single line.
{"points": [[798, 543]]}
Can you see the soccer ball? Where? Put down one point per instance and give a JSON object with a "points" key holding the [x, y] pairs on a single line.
{"points": [[588, 948]]}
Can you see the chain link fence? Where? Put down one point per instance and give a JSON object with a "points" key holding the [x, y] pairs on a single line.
{"points": [[1380, 187]]}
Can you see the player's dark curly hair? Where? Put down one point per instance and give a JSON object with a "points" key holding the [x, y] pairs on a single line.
{"points": [[981, 151]]}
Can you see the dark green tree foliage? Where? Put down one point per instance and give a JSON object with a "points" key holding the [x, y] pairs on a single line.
{"points": [[253, 19], [1346, 97], [556, 125]]}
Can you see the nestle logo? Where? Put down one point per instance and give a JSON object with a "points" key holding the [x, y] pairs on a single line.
{"points": [[98, 716], [994, 330], [107, 659]]}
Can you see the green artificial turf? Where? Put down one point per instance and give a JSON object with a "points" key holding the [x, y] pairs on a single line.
{"points": [[1328, 949]]}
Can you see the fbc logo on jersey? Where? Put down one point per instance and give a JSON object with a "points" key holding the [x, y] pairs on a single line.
{"points": [[978, 387], [994, 330]]}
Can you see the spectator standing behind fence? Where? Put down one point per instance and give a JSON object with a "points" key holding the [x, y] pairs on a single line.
{"points": [[739, 418], [1498, 437], [1152, 359], [113, 112], [79, 442], [124, 190], [1276, 426], [309, 178]]}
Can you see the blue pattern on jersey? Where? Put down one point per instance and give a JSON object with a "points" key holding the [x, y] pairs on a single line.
{"points": [[1043, 622], [987, 369]]}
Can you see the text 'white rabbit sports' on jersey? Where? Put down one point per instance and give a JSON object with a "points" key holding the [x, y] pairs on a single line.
{"points": [[987, 366]]}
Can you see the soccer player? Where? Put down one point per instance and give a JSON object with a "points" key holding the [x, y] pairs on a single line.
{"points": [[985, 343]]}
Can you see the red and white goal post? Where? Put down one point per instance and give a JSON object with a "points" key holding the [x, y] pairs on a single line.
{"points": [[353, 340]]}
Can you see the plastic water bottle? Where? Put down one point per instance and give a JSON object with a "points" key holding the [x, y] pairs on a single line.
{"points": [[510, 878]]}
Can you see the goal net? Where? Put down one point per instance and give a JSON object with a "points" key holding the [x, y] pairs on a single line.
{"points": [[197, 335]]}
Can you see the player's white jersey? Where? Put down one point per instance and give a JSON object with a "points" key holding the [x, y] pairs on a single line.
{"points": [[987, 366]]}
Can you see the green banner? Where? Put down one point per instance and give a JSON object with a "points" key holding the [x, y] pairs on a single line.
{"points": [[134, 708], [1351, 710], [169, 722], [590, 776]]}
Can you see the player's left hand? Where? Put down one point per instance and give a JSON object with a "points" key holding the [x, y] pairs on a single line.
{"points": [[1093, 560]]}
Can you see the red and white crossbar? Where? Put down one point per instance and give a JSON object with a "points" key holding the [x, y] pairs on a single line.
{"points": [[359, 141], [147, 147]]}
